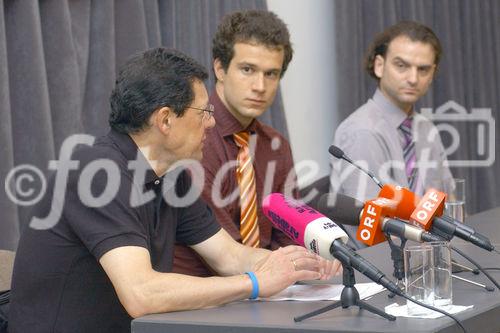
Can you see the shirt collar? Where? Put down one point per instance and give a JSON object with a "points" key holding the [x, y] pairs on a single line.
{"points": [[226, 123], [393, 115], [131, 152]]}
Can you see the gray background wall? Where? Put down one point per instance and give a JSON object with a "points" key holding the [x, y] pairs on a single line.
{"points": [[58, 60]]}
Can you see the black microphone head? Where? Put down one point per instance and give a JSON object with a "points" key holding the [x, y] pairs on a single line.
{"points": [[336, 151], [340, 208], [339, 153]]}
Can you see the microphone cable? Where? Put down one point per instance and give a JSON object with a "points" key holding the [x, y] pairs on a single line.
{"points": [[404, 295], [477, 265]]}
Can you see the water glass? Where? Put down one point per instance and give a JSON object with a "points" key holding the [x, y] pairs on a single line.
{"points": [[419, 277], [455, 200], [441, 256]]}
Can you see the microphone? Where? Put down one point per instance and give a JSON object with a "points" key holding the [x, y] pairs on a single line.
{"points": [[316, 232], [339, 153], [429, 215], [348, 211], [405, 199], [303, 224], [339, 207], [426, 212]]}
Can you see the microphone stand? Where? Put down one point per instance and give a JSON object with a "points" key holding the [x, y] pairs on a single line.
{"points": [[397, 261], [459, 268], [348, 297]]}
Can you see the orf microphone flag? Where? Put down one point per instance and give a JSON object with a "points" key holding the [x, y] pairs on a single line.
{"points": [[348, 211], [370, 230], [405, 199], [431, 205]]}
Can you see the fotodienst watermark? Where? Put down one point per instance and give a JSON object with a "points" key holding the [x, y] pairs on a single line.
{"points": [[25, 184]]}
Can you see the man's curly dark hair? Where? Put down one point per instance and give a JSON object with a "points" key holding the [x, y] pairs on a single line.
{"points": [[262, 27]]}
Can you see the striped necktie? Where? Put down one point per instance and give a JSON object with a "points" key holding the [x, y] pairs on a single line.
{"points": [[409, 152], [245, 174]]}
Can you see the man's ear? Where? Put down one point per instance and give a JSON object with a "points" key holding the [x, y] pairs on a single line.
{"points": [[162, 118], [219, 70], [378, 65]]}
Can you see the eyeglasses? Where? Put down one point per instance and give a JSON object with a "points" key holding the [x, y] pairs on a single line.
{"points": [[207, 113]]}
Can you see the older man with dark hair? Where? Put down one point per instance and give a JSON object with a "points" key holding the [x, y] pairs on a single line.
{"points": [[109, 257]]}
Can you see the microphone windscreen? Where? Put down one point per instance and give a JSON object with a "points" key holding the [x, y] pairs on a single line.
{"points": [[303, 224], [336, 151], [340, 208]]}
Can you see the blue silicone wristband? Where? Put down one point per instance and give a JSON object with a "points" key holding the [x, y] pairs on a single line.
{"points": [[255, 285]]}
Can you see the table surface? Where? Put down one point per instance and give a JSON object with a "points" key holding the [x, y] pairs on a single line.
{"points": [[256, 316]]}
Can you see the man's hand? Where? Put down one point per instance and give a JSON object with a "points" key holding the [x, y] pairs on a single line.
{"points": [[284, 267], [329, 268]]}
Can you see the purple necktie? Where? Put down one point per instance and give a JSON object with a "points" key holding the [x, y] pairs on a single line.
{"points": [[409, 152]]}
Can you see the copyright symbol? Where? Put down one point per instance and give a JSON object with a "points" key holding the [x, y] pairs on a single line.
{"points": [[25, 185]]}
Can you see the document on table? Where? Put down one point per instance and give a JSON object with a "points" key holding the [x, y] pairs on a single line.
{"points": [[402, 310], [322, 292]]}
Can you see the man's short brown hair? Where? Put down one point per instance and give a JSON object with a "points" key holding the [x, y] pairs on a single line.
{"points": [[257, 26]]}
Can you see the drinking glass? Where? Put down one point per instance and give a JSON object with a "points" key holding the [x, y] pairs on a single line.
{"points": [[419, 277], [441, 256], [455, 200]]}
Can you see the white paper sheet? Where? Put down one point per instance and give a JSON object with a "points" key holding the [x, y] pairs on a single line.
{"points": [[402, 311], [322, 292]]}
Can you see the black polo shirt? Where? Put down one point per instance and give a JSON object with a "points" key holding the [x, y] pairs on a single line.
{"points": [[58, 284]]}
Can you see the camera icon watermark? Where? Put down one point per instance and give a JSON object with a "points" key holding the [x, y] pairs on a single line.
{"points": [[479, 125]]}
